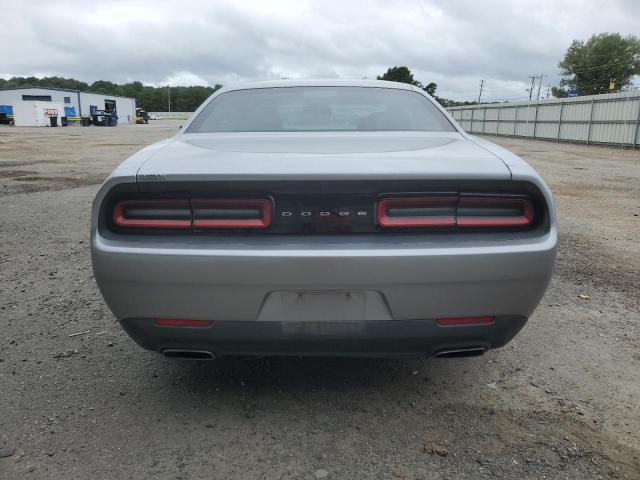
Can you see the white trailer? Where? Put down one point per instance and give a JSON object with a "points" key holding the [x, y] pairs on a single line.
{"points": [[37, 114]]}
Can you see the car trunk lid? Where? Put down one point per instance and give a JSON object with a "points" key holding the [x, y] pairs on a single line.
{"points": [[321, 156]]}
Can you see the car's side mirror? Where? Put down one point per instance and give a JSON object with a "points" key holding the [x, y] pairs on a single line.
{"points": [[180, 127]]}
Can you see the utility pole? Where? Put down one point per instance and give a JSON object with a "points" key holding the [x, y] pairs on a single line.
{"points": [[533, 80], [169, 99], [480, 95], [540, 84]]}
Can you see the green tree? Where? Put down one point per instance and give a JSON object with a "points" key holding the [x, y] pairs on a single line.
{"points": [[399, 74], [430, 88], [404, 75], [590, 66], [57, 82], [152, 99], [104, 86]]}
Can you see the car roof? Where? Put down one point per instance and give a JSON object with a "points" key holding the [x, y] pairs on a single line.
{"points": [[318, 83]]}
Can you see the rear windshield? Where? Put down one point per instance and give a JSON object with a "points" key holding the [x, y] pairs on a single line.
{"points": [[320, 109]]}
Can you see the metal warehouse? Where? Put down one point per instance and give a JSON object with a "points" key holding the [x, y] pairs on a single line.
{"points": [[38, 106]]}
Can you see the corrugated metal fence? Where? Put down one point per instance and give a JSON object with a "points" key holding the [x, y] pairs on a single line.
{"points": [[612, 118]]}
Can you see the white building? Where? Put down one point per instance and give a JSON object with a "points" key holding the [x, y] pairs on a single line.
{"points": [[34, 106]]}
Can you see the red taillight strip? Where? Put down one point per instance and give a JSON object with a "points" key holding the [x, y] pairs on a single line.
{"points": [[384, 220], [120, 220], [180, 322], [526, 206], [264, 221], [450, 322], [458, 218]]}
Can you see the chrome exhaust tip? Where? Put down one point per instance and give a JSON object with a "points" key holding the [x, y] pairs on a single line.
{"points": [[461, 352], [188, 354]]}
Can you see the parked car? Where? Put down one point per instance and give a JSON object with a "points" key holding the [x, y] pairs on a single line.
{"points": [[323, 218]]}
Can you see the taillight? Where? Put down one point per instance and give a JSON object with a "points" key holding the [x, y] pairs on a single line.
{"points": [[185, 214], [229, 213], [161, 213], [494, 211], [456, 211], [417, 212]]}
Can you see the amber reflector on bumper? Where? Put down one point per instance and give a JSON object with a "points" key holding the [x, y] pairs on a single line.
{"points": [[449, 322]]}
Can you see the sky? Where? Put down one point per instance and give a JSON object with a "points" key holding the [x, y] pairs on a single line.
{"points": [[454, 43]]}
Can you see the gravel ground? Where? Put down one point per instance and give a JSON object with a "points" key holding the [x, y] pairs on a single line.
{"points": [[562, 401]]}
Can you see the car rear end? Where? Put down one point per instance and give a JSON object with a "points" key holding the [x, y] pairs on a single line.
{"points": [[302, 267], [341, 250]]}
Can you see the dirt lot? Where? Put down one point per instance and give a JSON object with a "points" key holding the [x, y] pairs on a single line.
{"points": [[562, 401]]}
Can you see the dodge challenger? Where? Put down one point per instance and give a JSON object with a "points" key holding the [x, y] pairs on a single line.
{"points": [[325, 217]]}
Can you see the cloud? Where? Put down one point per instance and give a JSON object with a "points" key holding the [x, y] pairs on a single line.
{"points": [[455, 44], [186, 79]]}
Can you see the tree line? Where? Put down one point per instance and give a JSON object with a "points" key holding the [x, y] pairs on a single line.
{"points": [[404, 75], [184, 99], [152, 99], [604, 63]]}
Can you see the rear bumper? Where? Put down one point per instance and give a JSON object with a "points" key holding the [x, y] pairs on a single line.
{"points": [[365, 338], [231, 282]]}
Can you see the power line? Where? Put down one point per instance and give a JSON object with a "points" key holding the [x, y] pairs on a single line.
{"points": [[487, 89], [485, 92], [514, 97], [497, 94], [533, 80], [540, 85], [597, 67], [480, 95], [603, 83]]}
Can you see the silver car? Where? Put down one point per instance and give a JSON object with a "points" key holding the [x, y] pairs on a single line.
{"points": [[323, 218]]}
